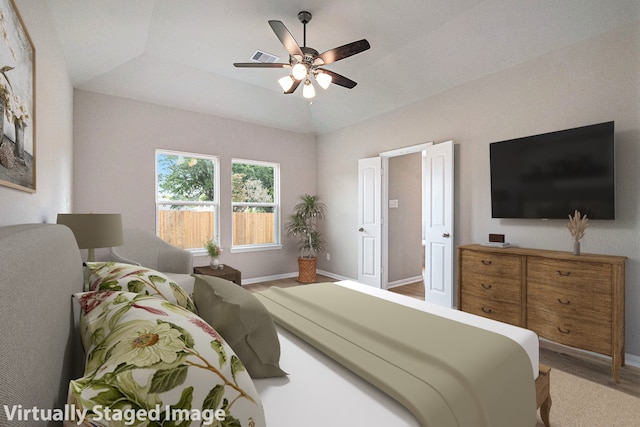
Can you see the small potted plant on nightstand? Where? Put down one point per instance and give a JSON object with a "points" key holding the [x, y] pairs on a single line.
{"points": [[214, 250], [303, 225]]}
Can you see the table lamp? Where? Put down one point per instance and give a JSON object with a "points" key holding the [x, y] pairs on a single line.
{"points": [[94, 230]]}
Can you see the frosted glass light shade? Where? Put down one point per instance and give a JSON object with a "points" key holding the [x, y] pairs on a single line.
{"points": [[324, 80], [299, 71], [308, 91], [286, 82]]}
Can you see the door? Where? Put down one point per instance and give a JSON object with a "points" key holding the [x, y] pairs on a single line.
{"points": [[438, 216], [369, 221]]}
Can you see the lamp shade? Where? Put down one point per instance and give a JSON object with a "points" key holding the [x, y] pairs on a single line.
{"points": [[94, 230]]}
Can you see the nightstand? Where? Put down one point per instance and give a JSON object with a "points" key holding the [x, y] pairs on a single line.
{"points": [[226, 272]]}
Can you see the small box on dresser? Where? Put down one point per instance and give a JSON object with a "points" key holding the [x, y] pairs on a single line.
{"points": [[574, 300]]}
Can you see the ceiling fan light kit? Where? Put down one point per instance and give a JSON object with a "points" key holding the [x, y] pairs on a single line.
{"points": [[323, 79], [306, 62], [308, 91], [286, 82], [299, 71]]}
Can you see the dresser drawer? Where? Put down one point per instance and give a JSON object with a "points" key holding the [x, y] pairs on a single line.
{"points": [[569, 303], [492, 264], [593, 335], [575, 275], [489, 287], [492, 309]]}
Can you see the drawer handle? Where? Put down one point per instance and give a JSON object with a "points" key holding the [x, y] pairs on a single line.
{"points": [[564, 303], [563, 331], [485, 262], [486, 286], [488, 311], [566, 273]]}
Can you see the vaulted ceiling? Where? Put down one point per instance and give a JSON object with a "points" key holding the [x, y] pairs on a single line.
{"points": [[180, 53]]}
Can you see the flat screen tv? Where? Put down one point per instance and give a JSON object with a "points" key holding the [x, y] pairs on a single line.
{"points": [[551, 175]]}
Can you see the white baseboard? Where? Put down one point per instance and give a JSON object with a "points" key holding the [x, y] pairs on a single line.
{"points": [[290, 275], [333, 275], [632, 360], [403, 282], [268, 278], [629, 359]]}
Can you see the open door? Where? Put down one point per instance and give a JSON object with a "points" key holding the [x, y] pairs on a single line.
{"points": [[369, 222], [437, 211], [438, 216]]}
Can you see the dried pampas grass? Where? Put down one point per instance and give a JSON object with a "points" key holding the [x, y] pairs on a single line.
{"points": [[577, 225]]}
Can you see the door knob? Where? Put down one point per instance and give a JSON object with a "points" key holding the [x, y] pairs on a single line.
{"points": [[446, 235], [361, 229]]}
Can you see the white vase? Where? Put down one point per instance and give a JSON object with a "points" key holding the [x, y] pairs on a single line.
{"points": [[215, 262], [576, 247]]}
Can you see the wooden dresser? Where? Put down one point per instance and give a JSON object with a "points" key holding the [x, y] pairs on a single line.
{"points": [[573, 300]]}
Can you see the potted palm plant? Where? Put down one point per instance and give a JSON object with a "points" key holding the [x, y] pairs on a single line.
{"points": [[303, 225]]}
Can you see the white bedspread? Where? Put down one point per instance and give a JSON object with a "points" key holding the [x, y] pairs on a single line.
{"points": [[320, 392]]}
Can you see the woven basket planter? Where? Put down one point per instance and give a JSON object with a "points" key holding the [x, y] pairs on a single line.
{"points": [[307, 270]]}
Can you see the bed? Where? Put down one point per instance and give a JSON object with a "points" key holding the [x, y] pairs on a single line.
{"points": [[41, 352]]}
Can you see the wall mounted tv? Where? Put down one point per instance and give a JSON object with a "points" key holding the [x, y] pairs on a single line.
{"points": [[551, 175]]}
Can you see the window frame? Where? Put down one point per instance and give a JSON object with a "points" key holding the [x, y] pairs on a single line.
{"points": [[277, 244], [216, 193]]}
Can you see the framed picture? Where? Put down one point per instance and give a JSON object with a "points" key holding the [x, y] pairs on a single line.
{"points": [[17, 101]]}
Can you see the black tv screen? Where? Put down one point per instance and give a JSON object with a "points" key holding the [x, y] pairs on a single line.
{"points": [[551, 175]]}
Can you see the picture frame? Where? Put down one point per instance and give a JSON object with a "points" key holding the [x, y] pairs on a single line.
{"points": [[17, 101]]}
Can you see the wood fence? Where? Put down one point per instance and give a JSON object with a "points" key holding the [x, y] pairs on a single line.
{"points": [[250, 228], [190, 229]]}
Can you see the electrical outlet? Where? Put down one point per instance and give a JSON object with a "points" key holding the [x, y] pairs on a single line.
{"points": [[328, 256]]}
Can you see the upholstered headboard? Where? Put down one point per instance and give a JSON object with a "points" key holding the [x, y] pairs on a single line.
{"points": [[40, 268]]}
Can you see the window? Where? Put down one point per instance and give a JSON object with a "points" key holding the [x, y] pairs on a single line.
{"points": [[187, 198], [255, 204]]}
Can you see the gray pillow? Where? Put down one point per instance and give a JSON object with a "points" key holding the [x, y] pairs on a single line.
{"points": [[242, 320]]}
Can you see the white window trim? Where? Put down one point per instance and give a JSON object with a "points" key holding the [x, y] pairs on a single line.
{"points": [[216, 190], [276, 205]]}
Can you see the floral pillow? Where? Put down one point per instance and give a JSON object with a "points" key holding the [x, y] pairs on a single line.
{"points": [[117, 276], [151, 362]]}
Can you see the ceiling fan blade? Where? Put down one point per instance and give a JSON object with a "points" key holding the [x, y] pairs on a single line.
{"points": [[342, 52], [261, 65], [285, 37], [294, 87], [339, 80]]}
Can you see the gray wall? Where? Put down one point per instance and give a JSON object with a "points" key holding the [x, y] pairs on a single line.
{"points": [[405, 221], [114, 157], [53, 131], [593, 81]]}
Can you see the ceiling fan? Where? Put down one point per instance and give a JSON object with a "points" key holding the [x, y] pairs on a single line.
{"points": [[306, 62]]}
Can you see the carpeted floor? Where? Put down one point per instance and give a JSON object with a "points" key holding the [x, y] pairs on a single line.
{"points": [[581, 403]]}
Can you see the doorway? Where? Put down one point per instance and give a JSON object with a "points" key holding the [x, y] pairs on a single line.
{"points": [[435, 196], [405, 242]]}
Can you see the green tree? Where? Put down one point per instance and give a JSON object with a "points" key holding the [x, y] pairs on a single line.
{"points": [[238, 191], [186, 178], [251, 172]]}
